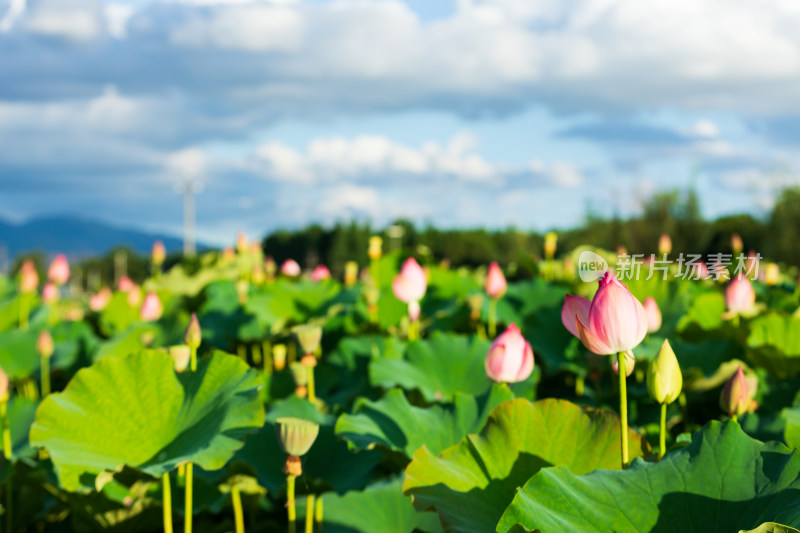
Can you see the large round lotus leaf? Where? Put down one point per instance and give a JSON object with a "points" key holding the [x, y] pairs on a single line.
{"points": [[722, 481], [397, 425], [378, 508], [771, 527], [18, 356], [125, 342], [21, 413], [135, 410], [439, 367], [471, 483], [705, 313], [774, 343]]}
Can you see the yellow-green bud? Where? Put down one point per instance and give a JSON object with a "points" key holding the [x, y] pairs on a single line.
{"points": [[3, 386], [296, 435], [350, 273], [279, 356], [194, 335], [375, 247], [299, 373], [664, 378], [308, 337], [181, 354], [736, 396], [44, 344]]}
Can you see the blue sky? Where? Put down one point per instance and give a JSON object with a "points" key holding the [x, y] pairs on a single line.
{"points": [[460, 113]]}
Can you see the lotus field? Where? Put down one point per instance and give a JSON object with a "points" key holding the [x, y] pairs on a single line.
{"points": [[228, 393]]}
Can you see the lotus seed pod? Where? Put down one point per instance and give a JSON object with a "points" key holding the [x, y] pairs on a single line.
{"points": [[299, 373], [375, 249], [44, 344], [664, 378], [296, 435], [308, 337], [181, 355], [279, 356], [194, 335]]}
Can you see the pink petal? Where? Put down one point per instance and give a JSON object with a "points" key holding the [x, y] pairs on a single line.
{"points": [[592, 341], [575, 307]]}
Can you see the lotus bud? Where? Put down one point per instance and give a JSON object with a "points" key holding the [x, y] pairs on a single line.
{"points": [[193, 337], [181, 355], [614, 321], [411, 283], [228, 255], [28, 278], [242, 243], [58, 272], [752, 263], [99, 301], [630, 363], [50, 293], [702, 271], [257, 275], [134, 296], [125, 284], [375, 249], [296, 436], [279, 357], [158, 253], [664, 378], [510, 357], [270, 268], [475, 303], [735, 399], [350, 273], [772, 274], [3, 386], [664, 244], [550, 242], [495, 281], [290, 268], [151, 309], [320, 273], [308, 337], [736, 244], [653, 314], [740, 295], [44, 344]]}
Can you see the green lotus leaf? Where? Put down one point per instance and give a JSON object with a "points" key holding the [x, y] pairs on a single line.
{"points": [[772, 527], [471, 483], [394, 423], [18, 356], [128, 341], [705, 313], [21, 413], [722, 481], [774, 344], [439, 367], [135, 410]]}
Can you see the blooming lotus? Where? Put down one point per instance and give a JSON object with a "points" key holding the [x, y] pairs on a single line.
{"points": [[320, 273], [510, 358], [409, 286], [740, 295], [58, 272], [495, 281], [613, 321], [290, 267], [653, 314]]}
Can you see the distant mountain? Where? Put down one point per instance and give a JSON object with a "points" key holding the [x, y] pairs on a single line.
{"points": [[76, 237]]}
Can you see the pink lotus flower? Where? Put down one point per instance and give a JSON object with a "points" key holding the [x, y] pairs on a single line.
{"points": [[653, 314], [320, 273], [158, 253], [28, 277], [510, 358], [290, 268], [134, 296], [411, 283], [736, 398], [614, 321], [414, 310], [740, 295], [99, 300], [151, 309], [44, 344], [50, 293], [495, 281], [58, 272], [702, 271], [125, 284]]}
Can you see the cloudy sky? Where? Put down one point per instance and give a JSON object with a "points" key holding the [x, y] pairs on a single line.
{"points": [[454, 112]]}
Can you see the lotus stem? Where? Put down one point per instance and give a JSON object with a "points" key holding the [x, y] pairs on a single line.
{"points": [[238, 516], [310, 513], [23, 311], [193, 359], [166, 497], [312, 397], [291, 511], [187, 509], [7, 455], [318, 513], [255, 352], [623, 409], [413, 330], [45, 376], [663, 434], [242, 352], [492, 317]]}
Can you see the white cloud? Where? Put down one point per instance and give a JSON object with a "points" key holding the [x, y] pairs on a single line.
{"points": [[117, 16], [705, 128], [13, 12], [75, 20]]}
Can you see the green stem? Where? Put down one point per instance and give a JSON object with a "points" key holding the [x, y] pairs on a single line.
{"points": [[580, 384], [623, 409], [45, 376], [255, 352], [663, 435], [166, 497], [187, 509], [292, 512], [492, 317], [7, 455], [312, 397], [23, 311], [735, 418], [413, 330], [318, 513], [238, 516], [310, 513], [193, 359]]}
